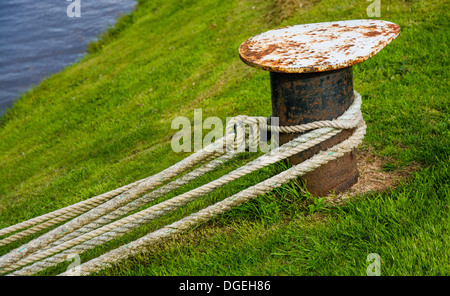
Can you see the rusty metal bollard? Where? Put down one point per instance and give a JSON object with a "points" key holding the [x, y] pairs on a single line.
{"points": [[311, 78]]}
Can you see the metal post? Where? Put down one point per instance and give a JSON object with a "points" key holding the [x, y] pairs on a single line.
{"points": [[311, 79]]}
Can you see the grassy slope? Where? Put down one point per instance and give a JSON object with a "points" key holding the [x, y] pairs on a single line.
{"points": [[105, 122]]}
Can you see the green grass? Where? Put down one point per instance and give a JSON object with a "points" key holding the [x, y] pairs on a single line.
{"points": [[105, 122]]}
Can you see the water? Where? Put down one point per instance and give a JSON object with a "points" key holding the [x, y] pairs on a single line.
{"points": [[38, 38]]}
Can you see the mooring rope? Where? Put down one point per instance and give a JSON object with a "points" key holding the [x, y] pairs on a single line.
{"points": [[99, 220]]}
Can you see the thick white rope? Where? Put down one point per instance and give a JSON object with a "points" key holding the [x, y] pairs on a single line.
{"points": [[89, 232], [68, 212], [136, 247], [71, 211], [114, 203], [90, 240]]}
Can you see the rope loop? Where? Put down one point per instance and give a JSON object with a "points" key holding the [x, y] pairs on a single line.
{"points": [[108, 216]]}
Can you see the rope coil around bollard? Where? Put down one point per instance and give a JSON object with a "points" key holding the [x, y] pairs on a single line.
{"points": [[99, 219]]}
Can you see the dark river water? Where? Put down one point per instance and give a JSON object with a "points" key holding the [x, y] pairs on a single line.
{"points": [[38, 38]]}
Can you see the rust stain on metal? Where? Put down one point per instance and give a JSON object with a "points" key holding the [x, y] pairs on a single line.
{"points": [[372, 33], [318, 47]]}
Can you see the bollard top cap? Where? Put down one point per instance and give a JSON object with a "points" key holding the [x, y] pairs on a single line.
{"points": [[318, 47]]}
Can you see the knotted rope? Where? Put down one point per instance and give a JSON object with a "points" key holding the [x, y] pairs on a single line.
{"points": [[98, 219]]}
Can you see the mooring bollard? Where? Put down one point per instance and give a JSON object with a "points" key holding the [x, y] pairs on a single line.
{"points": [[311, 79]]}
